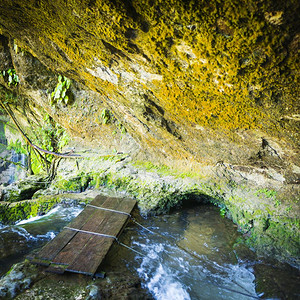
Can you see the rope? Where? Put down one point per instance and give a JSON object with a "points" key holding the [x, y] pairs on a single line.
{"points": [[156, 233], [112, 210], [91, 232], [124, 213], [105, 235], [64, 155], [234, 291], [131, 249]]}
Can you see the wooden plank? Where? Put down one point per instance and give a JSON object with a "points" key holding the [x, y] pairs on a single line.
{"points": [[98, 223], [57, 269], [83, 252], [66, 255], [51, 249], [40, 262], [89, 258], [92, 256], [97, 247]]}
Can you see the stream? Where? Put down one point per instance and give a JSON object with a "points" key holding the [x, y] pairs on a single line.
{"points": [[192, 253]]}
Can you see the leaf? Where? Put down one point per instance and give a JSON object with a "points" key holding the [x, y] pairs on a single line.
{"points": [[68, 83], [57, 94], [63, 93]]}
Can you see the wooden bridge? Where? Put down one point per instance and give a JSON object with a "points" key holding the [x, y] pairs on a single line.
{"points": [[82, 245]]}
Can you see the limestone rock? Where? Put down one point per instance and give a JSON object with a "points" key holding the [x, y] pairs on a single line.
{"points": [[23, 189]]}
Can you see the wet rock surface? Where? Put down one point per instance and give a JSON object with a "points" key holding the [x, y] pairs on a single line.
{"points": [[23, 189], [27, 281]]}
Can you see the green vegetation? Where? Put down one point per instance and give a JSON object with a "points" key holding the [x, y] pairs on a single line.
{"points": [[78, 183], [18, 146], [11, 77], [50, 136], [149, 166], [46, 135], [11, 213], [162, 169], [106, 116], [223, 211], [62, 93], [266, 192]]}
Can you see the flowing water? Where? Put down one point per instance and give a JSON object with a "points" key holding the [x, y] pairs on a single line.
{"points": [[11, 172], [193, 254], [19, 240]]}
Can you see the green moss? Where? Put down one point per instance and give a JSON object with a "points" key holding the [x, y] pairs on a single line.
{"points": [[224, 65], [10, 214], [268, 193], [164, 170], [148, 166], [77, 183], [277, 238]]}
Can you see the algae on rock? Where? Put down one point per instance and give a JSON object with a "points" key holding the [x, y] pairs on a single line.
{"points": [[206, 88]]}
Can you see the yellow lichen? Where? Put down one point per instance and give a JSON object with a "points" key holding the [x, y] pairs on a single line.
{"points": [[225, 65]]}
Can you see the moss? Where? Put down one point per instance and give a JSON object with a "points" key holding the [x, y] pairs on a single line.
{"points": [[223, 65], [159, 189], [277, 238], [269, 229], [164, 170], [231, 62], [10, 214], [77, 183], [149, 166]]}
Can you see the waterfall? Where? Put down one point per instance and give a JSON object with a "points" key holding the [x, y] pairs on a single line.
{"points": [[17, 172], [12, 172]]}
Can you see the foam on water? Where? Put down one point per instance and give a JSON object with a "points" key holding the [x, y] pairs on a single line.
{"points": [[169, 275], [21, 238], [59, 212], [163, 285], [169, 272], [161, 281], [34, 219]]}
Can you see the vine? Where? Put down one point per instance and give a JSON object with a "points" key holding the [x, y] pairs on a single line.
{"points": [[52, 137]]}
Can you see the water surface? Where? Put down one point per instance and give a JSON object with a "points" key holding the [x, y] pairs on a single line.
{"points": [[197, 254], [192, 253]]}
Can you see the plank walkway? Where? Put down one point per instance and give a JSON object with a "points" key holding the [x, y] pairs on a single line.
{"points": [[82, 245]]}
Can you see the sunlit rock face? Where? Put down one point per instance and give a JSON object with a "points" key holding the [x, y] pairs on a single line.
{"points": [[194, 81], [179, 83], [210, 87]]}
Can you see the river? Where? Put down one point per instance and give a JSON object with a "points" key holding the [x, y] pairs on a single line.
{"points": [[191, 253]]}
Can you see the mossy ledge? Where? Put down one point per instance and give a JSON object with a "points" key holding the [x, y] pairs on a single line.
{"points": [[11, 213], [269, 221]]}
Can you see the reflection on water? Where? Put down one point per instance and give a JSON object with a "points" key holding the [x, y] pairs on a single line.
{"points": [[197, 256], [194, 258]]}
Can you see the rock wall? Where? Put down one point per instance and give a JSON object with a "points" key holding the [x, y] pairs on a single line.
{"points": [[208, 87], [200, 82]]}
